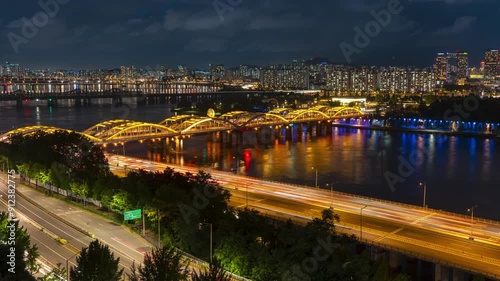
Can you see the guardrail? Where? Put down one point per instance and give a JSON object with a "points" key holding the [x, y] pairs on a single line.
{"points": [[79, 229], [192, 258], [326, 191]]}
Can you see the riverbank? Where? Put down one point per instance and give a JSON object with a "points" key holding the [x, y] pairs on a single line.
{"points": [[421, 131]]}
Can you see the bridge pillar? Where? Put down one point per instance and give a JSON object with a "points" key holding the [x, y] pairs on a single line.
{"points": [[313, 128], [324, 129], [179, 145], [394, 259], [237, 138], [404, 264], [458, 275], [443, 273], [78, 102], [377, 253], [227, 137], [266, 135], [293, 132]]}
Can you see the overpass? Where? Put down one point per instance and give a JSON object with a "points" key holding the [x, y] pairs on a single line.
{"points": [[146, 86], [399, 230], [121, 131]]}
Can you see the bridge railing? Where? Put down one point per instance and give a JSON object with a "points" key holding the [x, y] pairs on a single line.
{"points": [[327, 191]]}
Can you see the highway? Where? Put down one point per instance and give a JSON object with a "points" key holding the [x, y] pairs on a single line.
{"points": [[425, 233], [129, 247]]}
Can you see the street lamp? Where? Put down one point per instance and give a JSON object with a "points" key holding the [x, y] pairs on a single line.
{"points": [[159, 232], [246, 194], [471, 210], [331, 195], [424, 185], [361, 223], [211, 239], [237, 164], [67, 265], [316, 186]]}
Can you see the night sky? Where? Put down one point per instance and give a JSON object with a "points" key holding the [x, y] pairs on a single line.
{"points": [[147, 33]]}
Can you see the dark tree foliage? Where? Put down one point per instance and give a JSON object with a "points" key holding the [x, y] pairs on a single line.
{"points": [[84, 162], [96, 263], [24, 266], [214, 273], [164, 264], [184, 200], [470, 108]]}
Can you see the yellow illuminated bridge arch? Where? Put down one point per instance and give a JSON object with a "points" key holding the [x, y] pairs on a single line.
{"points": [[121, 130]]}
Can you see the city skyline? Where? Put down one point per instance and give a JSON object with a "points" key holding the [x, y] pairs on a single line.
{"points": [[199, 33]]}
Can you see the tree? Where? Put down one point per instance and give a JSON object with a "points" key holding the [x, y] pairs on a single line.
{"points": [[164, 264], [214, 273], [96, 263], [18, 248]]}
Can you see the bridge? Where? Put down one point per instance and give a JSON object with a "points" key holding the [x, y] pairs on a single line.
{"points": [[121, 131], [405, 235], [146, 86]]}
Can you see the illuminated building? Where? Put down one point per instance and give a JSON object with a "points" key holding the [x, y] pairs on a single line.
{"points": [[492, 64], [451, 67], [285, 77], [441, 68], [462, 65]]}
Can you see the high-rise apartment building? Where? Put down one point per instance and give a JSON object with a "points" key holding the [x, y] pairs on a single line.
{"points": [[492, 64], [217, 71], [365, 80], [127, 72], [462, 65], [285, 77], [441, 67], [451, 68]]}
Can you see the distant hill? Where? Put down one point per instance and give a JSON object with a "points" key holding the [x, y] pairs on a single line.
{"points": [[315, 61]]}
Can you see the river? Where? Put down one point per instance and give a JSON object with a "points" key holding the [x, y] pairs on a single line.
{"points": [[459, 172]]}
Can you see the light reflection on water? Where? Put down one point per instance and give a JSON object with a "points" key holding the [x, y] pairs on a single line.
{"points": [[460, 172]]}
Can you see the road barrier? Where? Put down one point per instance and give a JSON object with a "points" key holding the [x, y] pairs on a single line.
{"points": [[79, 229], [192, 258]]}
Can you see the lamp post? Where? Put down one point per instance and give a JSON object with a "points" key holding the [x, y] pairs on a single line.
{"points": [[361, 223], [471, 210], [159, 229], [211, 239], [424, 185], [237, 166], [331, 195], [246, 194], [67, 265], [316, 186]]}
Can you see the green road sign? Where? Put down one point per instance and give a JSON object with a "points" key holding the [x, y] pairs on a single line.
{"points": [[132, 215]]}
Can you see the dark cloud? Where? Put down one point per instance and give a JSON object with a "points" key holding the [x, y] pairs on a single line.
{"points": [[95, 33]]}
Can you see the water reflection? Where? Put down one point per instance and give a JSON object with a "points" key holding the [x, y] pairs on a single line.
{"points": [[459, 171]]}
